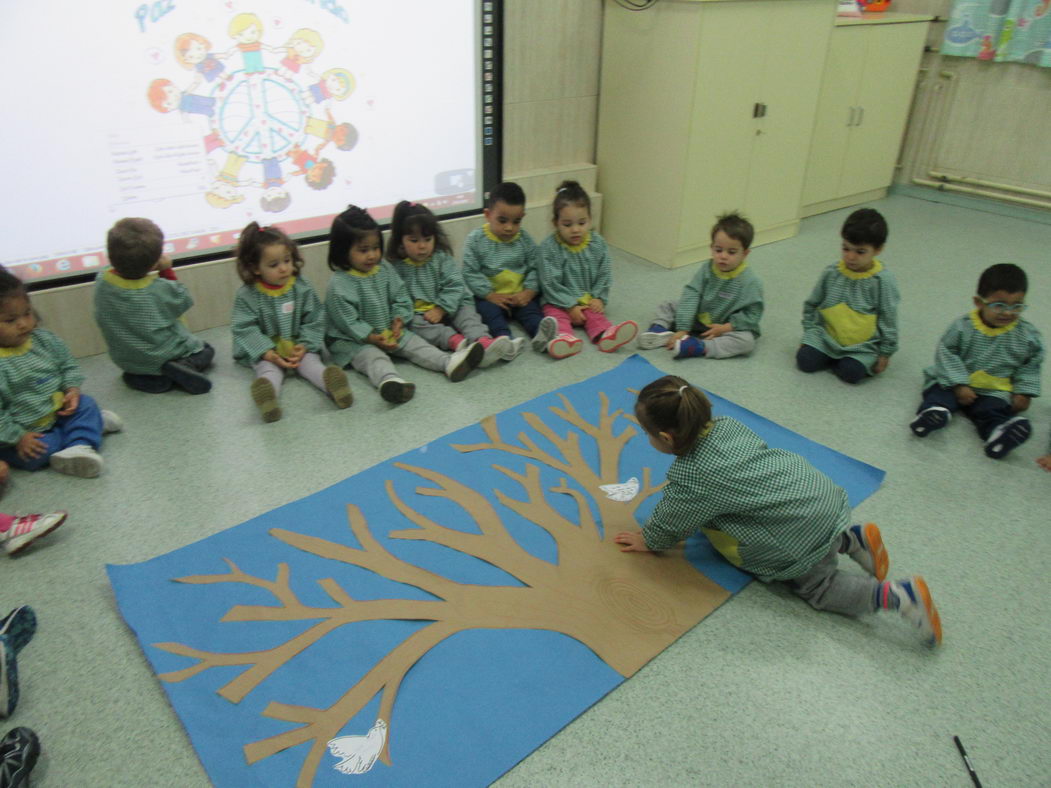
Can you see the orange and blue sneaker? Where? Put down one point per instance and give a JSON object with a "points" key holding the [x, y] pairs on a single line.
{"points": [[912, 599], [864, 545]]}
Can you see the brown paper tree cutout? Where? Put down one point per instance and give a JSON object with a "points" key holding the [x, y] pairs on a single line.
{"points": [[625, 607]]}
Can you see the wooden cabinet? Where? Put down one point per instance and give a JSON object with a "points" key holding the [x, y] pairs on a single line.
{"points": [[706, 107], [870, 74]]}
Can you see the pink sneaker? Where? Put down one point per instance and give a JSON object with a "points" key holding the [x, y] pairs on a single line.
{"points": [[564, 346], [24, 530], [616, 337]]}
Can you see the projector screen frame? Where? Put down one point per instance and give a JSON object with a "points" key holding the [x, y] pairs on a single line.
{"points": [[490, 90]]}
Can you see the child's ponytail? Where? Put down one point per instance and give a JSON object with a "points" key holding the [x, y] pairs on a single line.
{"points": [[670, 404], [569, 193]]}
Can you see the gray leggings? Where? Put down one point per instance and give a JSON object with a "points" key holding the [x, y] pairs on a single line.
{"points": [[735, 343], [376, 365], [824, 587], [310, 368], [465, 321]]}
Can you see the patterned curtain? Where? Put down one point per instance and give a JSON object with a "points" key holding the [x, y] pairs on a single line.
{"points": [[1016, 31]]}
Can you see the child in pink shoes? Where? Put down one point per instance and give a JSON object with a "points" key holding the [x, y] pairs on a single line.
{"points": [[575, 280]]}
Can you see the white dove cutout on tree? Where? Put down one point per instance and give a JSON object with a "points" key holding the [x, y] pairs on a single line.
{"points": [[621, 492], [359, 753]]}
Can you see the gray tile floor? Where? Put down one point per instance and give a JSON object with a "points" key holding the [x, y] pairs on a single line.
{"points": [[763, 692]]}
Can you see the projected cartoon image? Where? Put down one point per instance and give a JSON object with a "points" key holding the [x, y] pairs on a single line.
{"points": [[264, 107]]}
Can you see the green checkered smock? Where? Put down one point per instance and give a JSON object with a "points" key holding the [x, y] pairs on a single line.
{"points": [[768, 511], [139, 319], [995, 362], [265, 317], [714, 297], [572, 276], [33, 378], [436, 282], [357, 305], [491, 265], [853, 315]]}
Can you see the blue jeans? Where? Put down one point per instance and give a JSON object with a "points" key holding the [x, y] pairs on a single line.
{"points": [[985, 412], [496, 318], [82, 426], [810, 359]]}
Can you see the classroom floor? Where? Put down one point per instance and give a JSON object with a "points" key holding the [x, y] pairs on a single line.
{"points": [[764, 692]]}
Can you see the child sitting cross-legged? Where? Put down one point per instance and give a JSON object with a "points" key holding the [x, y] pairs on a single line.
{"points": [[987, 364], [768, 511], [718, 314]]}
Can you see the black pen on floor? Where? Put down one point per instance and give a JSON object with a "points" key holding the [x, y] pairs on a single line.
{"points": [[967, 762]]}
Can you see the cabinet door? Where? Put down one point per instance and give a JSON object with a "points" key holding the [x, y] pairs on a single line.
{"points": [[797, 33], [888, 78], [836, 111]]}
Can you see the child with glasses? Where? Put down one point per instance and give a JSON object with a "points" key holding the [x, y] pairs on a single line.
{"points": [[987, 365], [850, 319]]}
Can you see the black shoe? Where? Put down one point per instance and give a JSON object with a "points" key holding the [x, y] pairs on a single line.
{"points": [[397, 390], [8, 678], [18, 626], [19, 751], [186, 377]]}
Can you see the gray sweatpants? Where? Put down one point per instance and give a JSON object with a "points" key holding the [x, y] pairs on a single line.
{"points": [[825, 587], [375, 364], [735, 343], [465, 321], [311, 368]]}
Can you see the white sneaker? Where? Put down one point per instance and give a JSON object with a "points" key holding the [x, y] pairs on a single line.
{"points": [[497, 351], [24, 530], [462, 361], [515, 347], [111, 422], [651, 340], [545, 332], [79, 460]]}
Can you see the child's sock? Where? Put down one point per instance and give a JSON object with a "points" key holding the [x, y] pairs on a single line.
{"points": [[689, 347], [930, 419], [912, 599], [455, 341], [864, 545], [265, 398], [1007, 436]]}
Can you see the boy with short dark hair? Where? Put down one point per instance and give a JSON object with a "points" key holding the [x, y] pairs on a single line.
{"points": [[500, 262], [987, 364], [139, 315], [718, 313], [850, 319]]}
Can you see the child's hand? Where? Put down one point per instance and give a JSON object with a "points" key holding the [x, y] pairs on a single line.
{"points": [[30, 447], [276, 358], [502, 300], [396, 327], [965, 395], [434, 314], [70, 401], [576, 315], [670, 344], [880, 365], [596, 306], [1044, 462], [1019, 402], [298, 351], [632, 542], [522, 297], [717, 330], [163, 263], [384, 341]]}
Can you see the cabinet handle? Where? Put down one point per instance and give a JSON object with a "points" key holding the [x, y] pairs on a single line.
{"points": [[755, 110], [861, 115], [764, 110]]}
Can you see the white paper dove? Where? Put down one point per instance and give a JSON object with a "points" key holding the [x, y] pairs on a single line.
{"points": [[359, 753], [621, 492]]}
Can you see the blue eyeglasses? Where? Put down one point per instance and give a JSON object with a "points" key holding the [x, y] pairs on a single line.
{"points": [[1000, 306]]}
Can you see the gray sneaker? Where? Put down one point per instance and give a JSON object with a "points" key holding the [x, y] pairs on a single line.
{"points": [[462, 361], [545, 332]]}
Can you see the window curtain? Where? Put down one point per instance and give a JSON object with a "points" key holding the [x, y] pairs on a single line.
{"points": [[1005, 31]]}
